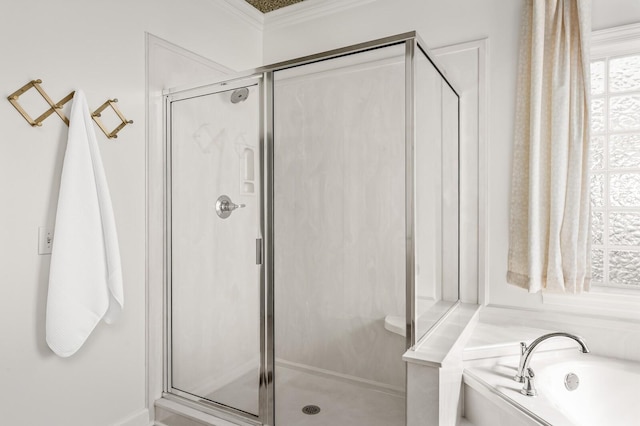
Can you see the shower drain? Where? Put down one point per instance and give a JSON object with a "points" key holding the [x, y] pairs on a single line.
{"points": [[311, 409]]}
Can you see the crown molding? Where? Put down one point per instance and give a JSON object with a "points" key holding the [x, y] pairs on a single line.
{"points": [[307, 10], [244, 11], [299, 12]]}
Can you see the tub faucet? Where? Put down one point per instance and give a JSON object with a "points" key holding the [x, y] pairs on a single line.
{"points": [[524, 372]]}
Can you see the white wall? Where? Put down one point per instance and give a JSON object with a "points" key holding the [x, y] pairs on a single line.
{"points": [[99, 47], [444, 23], [612, 13]]}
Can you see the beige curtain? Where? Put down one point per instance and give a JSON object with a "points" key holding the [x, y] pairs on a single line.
{"points": [[549, 247]]}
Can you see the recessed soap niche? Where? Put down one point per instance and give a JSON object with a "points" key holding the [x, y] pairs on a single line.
{"points": [[247, 157]]}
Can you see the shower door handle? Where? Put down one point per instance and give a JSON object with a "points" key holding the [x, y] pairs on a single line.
{"points": [[224, 206], [229, 207], [259, 255]]}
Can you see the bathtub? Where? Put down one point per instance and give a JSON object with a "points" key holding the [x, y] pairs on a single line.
{"points": [[606, 393]]}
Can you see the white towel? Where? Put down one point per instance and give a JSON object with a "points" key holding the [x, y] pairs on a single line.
{"points": [[85, 280]]}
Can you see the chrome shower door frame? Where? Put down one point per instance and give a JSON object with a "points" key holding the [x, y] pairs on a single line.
{"points": [[413, 46], [263, 246], [264, 78]]}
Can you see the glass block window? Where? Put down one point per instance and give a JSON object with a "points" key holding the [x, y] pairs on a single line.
{"points": [[615, 171]]}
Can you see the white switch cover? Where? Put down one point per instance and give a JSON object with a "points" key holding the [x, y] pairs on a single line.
{"points": [[45, 240]]}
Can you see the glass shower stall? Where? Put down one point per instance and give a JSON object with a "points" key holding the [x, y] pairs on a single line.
{"points": [[312, 234]]}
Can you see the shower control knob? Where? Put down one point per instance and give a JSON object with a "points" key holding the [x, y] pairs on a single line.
{"points": [[224, 206]]}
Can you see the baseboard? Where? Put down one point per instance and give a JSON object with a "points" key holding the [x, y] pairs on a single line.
{"points": [[140, 418]]}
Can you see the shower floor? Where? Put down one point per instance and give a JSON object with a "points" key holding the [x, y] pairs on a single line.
{"points": [[342, 403]]}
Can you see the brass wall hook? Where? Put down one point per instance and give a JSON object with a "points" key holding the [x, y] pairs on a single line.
{"points": [[57, 108], [53, 106], [98, 113]]}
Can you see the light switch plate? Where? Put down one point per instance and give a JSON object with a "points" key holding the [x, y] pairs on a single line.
{"points": [[45, 240]]}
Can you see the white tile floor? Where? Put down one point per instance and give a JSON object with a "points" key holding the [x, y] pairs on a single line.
{"points": [[341, 403]]}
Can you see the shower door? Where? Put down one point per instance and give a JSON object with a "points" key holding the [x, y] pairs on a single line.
{"points": [[215, 326]]}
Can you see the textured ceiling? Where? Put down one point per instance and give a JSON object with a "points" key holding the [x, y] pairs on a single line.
{"points": [[265, 6]]}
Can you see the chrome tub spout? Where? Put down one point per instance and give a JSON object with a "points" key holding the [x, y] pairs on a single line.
{"points": [[527, 351]]}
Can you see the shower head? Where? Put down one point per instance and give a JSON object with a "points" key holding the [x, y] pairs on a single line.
{"points": [[239, 95]]}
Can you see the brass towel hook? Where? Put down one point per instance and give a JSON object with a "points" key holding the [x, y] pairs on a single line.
{"points": [[53, 107], [57, 108], [98, 113]]}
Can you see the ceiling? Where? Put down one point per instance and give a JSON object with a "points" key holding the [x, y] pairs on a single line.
{"points": [[265, 6]]}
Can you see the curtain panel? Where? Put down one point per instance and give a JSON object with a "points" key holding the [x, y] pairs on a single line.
{"points": [[549, 229]]}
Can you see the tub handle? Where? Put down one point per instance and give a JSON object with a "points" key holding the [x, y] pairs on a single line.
{"points": [[529, 388]]}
